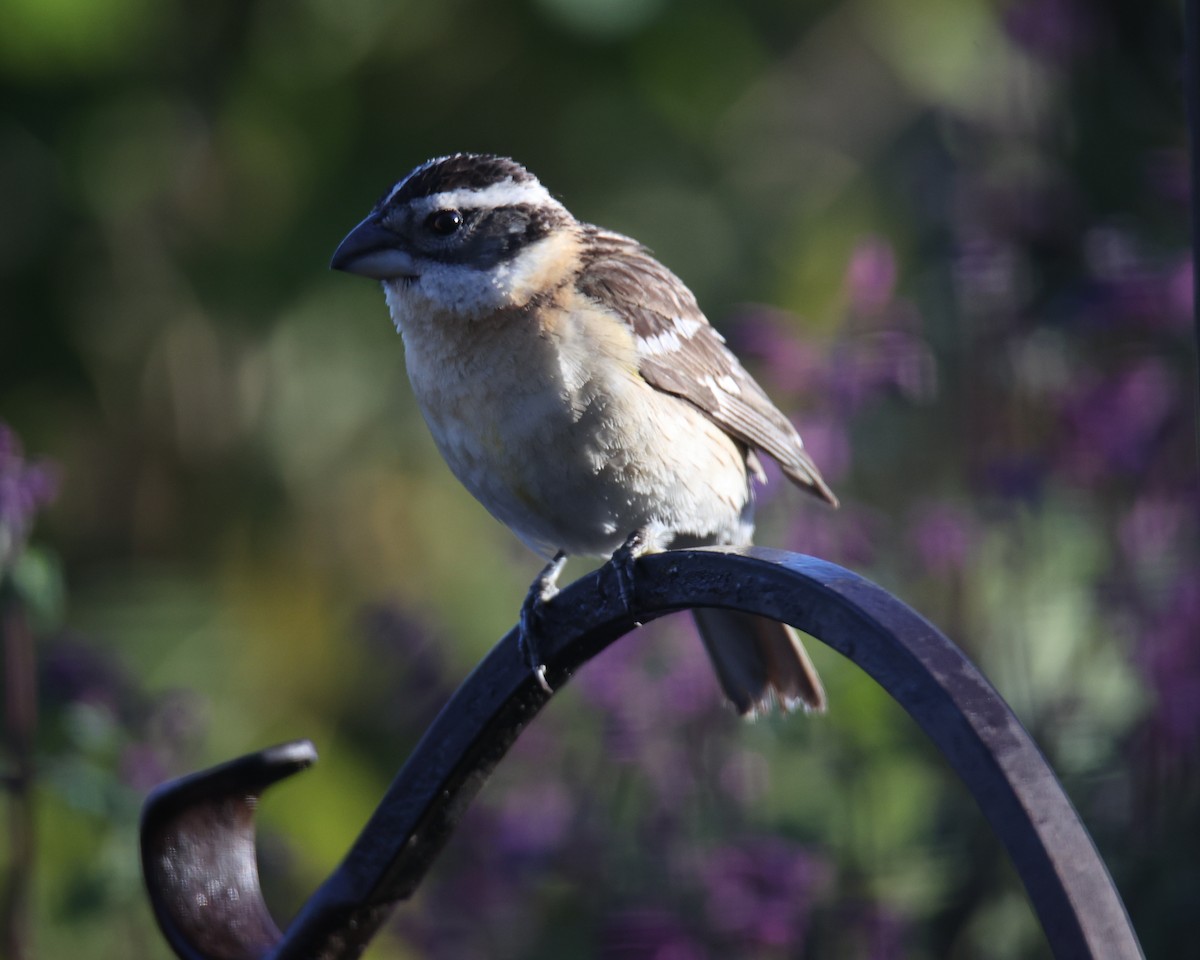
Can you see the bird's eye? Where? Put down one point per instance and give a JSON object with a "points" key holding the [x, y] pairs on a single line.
{"points": [[444, 222]]}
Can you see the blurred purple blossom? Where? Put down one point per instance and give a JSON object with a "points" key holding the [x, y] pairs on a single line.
{"points": [[790, 363], [745, 777], [403, 650], [169, 737], [761, 892], [479, 895], [828, 443], [882, 933], [1114, 423], [617, 684], [159, 734], [1128, 289], [644, 693], [657, 702], [687, 686], [143, 767], [74, 671], [870, 280], [942, 536], [890, 357], [1018, 214], [847, 536], [1111, 253], [988, 275], [25, 488], [533, 820], [891, 361], [648, 934], [1170, 658], [1133, 288], [1154, 529], [1015, 476], [1181, 295], [1056, 30]]}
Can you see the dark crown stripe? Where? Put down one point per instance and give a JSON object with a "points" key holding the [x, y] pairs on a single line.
{"points": [[460, 171]]}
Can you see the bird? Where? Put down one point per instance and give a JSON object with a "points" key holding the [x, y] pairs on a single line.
{"points": [[573, 385]]}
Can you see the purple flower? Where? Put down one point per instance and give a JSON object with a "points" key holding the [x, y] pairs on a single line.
{"points": [[648, 691], [745, 777], [884, 361], [1056, 30], [1181, 295], [847, 536], [1150, 531], [1133, 289], [479, 899], [790, 363], [533, 821], [989, 275], [941, 535], [24, 489], [828, 443], [657, 700], [1171, 661], [881, 934], [616, 683], [648, 934], [1114, 424], [142, 767], [73, 671], [1014, 476], [870, 281], [403, 650], [761, 892]]}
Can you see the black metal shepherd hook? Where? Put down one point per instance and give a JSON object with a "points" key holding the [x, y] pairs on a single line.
{"points": [[198, 833]]}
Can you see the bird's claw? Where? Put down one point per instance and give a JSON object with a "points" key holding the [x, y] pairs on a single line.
{"points": [[543, 589], [623, 563]]}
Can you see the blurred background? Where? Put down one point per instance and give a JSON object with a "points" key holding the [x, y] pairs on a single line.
{"points": [[949, 237]]}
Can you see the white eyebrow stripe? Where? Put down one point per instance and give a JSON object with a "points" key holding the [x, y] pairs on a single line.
{"points": [[506, 193]]}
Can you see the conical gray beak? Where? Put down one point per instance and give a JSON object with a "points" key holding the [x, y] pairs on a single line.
{"points": [[371, 250]]}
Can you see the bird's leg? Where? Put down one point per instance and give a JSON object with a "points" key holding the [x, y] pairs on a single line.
{"points": [[541, 591], [622, 562]]}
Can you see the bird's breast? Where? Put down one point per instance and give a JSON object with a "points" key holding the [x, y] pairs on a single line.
{"points": [[547, 422]]}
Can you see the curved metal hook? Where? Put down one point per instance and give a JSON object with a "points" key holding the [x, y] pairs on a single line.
{"points": [[202, 836], [199, 860]]}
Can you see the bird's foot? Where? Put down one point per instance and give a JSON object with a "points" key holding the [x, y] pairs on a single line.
{"points": [[623, 565], [543, 589]]}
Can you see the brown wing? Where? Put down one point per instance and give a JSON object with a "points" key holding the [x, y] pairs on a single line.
{"points": [[680, 353]]}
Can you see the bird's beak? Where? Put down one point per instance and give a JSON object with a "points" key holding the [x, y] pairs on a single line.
{"points": [[371, 250]]}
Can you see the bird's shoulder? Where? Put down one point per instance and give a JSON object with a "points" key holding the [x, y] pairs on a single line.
{"points": [[681, 353]]}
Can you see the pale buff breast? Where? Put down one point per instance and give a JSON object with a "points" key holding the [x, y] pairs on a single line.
{"points": [[550, 426]]}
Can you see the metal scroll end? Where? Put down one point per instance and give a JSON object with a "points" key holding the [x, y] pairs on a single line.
{"points": [[199, 860]]}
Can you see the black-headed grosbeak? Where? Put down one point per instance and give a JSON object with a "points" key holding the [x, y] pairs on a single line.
{"points": [[576, 389]]}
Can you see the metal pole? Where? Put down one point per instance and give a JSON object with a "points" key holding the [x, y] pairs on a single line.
{"points": [[198, 835]]}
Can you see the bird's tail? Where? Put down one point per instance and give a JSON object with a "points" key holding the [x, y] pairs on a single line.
{"points": [[759, 661]]}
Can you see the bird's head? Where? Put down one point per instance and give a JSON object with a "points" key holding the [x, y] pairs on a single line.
{"points": [[466, 233]]}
